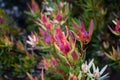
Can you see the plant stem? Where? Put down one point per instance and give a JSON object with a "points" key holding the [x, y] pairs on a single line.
{"points": [[95, 15]]}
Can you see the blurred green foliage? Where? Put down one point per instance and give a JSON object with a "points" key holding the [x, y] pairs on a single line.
{"points": [[16, 60]]}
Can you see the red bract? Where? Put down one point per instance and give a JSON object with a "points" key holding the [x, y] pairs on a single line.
{"points": [[83, 35], [59, 17], [116, 30], [61, 41], [1, 20], [48, 25], [34, 6], [118, 23], [75, 55], [34, 78], [46, 36], [46, 63], [54, 61], [43, 18], [46, 21]]}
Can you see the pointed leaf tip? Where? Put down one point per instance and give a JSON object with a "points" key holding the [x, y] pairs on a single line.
{"points": [[103, 69], [91, 28]]}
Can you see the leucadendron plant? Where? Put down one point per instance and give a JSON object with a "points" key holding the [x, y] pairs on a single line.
{"points": [[113, 51], [62, 56], [114, 56]]}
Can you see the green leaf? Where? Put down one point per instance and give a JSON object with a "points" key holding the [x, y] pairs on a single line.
{"points": [[64, 68], [62, 58]]}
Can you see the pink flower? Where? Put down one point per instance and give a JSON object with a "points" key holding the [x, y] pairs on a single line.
{"points": [[84, 67], [45, 21], [1, 20], [46, 36], [48, 25], [34, 6], [114, 54], [61, 41], [83, 35], [44, 18], [96, 73], [116, 30], [75, 55], [54, 61], [34, 78], [59, 17], [46, 63]]}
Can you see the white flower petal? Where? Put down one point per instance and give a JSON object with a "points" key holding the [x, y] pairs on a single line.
{"points": [[114, 22], [30, 43], [30, 38], [97, 70], [103, 77], [80, 75], [103, 69], [49, 9], [90, 63], [34, 38]]}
